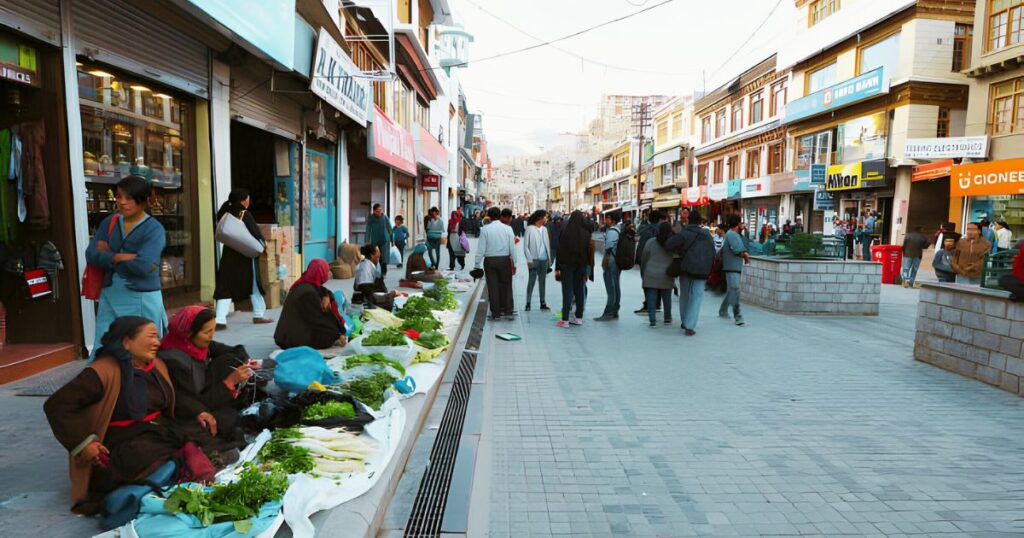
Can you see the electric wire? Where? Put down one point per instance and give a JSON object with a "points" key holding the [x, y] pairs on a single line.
{"points": [[749, 39]]}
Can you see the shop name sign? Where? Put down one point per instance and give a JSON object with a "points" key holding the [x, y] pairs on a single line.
{"points": [[988, 178], [856, 89], [337, 80], [846, 177], [391, 144], [974, 147], [431, 182]]}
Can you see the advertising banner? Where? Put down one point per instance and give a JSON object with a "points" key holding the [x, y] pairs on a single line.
{"points": [[865, 86], [862, 139], [734, 188], [756, 188], [988, 178], [846, 177], [823, 200], [390, 144], [337, 80], [974, 147], [430, 152], [718, 191], [932, 170]]}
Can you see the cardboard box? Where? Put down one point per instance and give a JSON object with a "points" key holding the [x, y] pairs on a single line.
{"points": [[267, 265], [272, 294]]}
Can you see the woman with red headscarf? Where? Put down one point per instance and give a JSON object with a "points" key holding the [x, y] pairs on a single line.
{"points": [[455, 251], [310, 316], [206, 377]]}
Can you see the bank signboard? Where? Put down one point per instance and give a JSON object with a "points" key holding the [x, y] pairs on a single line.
{"points": [[337, 80], [870, 84], [973, 147]]}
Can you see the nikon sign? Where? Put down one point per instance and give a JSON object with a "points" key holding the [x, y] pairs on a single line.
{"points": [[337, 80], [848, 177]]}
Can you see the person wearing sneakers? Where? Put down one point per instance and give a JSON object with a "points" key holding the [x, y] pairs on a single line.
{"points": [[654, 263], [913, 249], [734, 256], [537, 248], [573, 260], [237, 279]]}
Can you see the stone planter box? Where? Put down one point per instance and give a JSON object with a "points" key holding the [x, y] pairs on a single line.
{"points": [[972, 331], [813, 287]]}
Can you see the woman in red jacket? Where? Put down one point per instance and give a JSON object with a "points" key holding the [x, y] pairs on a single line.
{"points": [[1014, 282]]}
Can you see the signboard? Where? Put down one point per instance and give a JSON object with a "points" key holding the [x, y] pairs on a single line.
{"points": [[390, 144], [695, 196], [974, 147], [932, 170], [734, 186], [988, 178], [818, 174], [863, 138], [870, 84], [430, 182], [756, 188], [337, 80], [846, 177], [823, 200], [430, 152], [718, 191]]}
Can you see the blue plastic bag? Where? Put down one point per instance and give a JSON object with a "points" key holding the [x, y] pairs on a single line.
{"points": [[298, 367], [155, 522], [122, 504]]}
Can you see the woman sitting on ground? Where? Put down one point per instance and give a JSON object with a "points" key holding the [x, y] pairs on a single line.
{"points": [[310, 316], [369, 280], [111, 416], [418, 269], [206, 376]]}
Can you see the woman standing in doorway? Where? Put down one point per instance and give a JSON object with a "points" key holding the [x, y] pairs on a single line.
{"points": [[237, 277], [379, 232], [128, 245]]}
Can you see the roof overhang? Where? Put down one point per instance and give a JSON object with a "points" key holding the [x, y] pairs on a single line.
{"points": [[417, 65]]}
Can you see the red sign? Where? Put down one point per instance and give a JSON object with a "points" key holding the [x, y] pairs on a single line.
{"points": [[430, 152], [430, 182], [932, 170], [695, 196], [390, 144]]}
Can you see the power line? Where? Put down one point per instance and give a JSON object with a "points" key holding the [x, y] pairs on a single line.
{"points": [[513, 96], [558, 39], [571, 53], [745, 43]]}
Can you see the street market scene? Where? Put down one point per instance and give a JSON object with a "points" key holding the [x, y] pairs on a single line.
{"points": [[478, 268]]}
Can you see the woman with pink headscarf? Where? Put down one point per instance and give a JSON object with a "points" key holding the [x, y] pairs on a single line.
{"points": [[310, 316], [456, 226]]}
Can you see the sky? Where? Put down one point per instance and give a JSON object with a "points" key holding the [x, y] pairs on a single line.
{"points": [[528, 100]]}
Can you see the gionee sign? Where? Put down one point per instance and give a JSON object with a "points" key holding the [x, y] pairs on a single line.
{"points": [[988, 178]]}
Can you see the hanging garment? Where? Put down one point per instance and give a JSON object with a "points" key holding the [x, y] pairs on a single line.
{"points": [[33, 176], [8, 212], [14, 172]]}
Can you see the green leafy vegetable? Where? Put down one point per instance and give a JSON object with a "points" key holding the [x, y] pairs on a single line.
{"points": [[280, 449], [329, 409], [385, 337], [237, 502], [373, 358], [370, 390], [417, 307], [442, 296], [432, 340], [421, 324]]}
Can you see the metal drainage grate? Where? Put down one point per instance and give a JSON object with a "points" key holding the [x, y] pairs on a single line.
{"points": [[432, 497]]}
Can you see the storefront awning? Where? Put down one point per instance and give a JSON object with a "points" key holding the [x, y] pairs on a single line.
{"points": [[430, 153], [666, 200], [670, 155]]}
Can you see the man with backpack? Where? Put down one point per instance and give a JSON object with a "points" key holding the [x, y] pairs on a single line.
{"points": [[645, 233], [616, 247], [696, 251], [734, 256]]}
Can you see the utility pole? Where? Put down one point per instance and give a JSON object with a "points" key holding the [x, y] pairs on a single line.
{"points": [[641, 120], [571, 168]]}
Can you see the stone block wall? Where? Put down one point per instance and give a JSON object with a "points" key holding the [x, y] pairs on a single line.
{"points": [[813, 287], [972, 331]]}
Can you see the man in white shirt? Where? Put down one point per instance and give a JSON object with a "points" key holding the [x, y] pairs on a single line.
{"points": [[494, 253], [537, 248], [1004, 237]]}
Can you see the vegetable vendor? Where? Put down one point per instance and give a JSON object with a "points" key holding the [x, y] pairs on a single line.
{"points": [[370, 280], [207, 376], [113, 417], [418, 269], [310, 316]]}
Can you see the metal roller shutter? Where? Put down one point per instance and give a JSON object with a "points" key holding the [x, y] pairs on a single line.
{"points": [[37, 18], [122, 34], [254, 104]]}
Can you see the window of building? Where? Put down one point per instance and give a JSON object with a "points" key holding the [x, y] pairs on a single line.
{"points": [[813, 149], [942, 128], [775, 158], [677, 124], [1005, 23], [754, 163], [666, 175], [720, 123], [756, 108], [733, 170], [737, 116], [1008, 107], [885, 53], [404, 98], [718, 171], [820, 9], [702, 174], [422, 115], [662, 132], [779, 94], [821, 78], [962, 37], [705, 129]]}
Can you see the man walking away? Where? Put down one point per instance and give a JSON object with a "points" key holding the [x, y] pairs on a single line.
{"points": [[537, 247], [645, 233], [734, 255], [611, 272], [494, 255], [435, 231], [696, 251], [518, 226], [654, 264], [913, 249], [575, 256]]}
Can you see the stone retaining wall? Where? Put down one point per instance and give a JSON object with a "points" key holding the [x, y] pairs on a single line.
{"points": [[972, 331], [813, 287]]}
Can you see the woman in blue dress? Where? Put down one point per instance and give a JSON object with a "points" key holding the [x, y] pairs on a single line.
{"points": [[130, 253]]}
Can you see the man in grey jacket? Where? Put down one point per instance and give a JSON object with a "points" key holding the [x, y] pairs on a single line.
{"points": [[734, 256]]}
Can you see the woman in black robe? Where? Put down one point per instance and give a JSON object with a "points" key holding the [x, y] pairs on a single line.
{"points": [[237, 278], [310, 316]]}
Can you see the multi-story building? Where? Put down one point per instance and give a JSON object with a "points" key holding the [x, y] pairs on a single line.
{"points": [[866, 76], [616, 113], [673, 152], [611, 179], [995, 114]]}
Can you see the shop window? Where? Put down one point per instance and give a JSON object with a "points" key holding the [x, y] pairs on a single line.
{"points": [[702, 174], [737, 115], [720, 123], [718, 171], [754, 163], [705, 129], [1005, 23], [813, 149], [820, 10], [779, 94], [734, 171], [884, 53], [962, 37], [1008, 107], [756, 108], [821, 78], [131, 127], [775, 158], [942, 127]]}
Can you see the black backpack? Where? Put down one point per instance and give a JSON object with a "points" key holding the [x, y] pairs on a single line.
{"points": [[699, 257], [625, 250]]}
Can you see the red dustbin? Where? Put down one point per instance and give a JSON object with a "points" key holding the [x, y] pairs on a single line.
{"points": [[891, 258]]}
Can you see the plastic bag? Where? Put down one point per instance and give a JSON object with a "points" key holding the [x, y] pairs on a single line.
{"points": [[382, 317], [298, 367], [396, 257], [403, 354]]}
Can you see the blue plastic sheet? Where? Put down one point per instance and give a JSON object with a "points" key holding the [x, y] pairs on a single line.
{"points": [[298, 367], [155, 522]]}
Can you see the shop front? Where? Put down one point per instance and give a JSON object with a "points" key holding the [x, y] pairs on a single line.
{"points": [[432, 165], [861, 188], [760, 207], [992, 190], [930, 202], [390, 145]]}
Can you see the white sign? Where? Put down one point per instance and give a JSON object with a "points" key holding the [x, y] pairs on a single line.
{"points": [[718, 191], [338, 81], [975, 147], [756, 188]]}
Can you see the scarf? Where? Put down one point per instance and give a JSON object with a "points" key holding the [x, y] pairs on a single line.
{"points": [[132, 402], [453, 223], [179, 333], [317, 274]]}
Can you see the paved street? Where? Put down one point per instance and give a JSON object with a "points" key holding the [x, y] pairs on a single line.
{"points": [[788, 426]]}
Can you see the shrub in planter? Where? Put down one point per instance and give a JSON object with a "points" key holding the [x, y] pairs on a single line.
{"points": [[804, 245]]}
